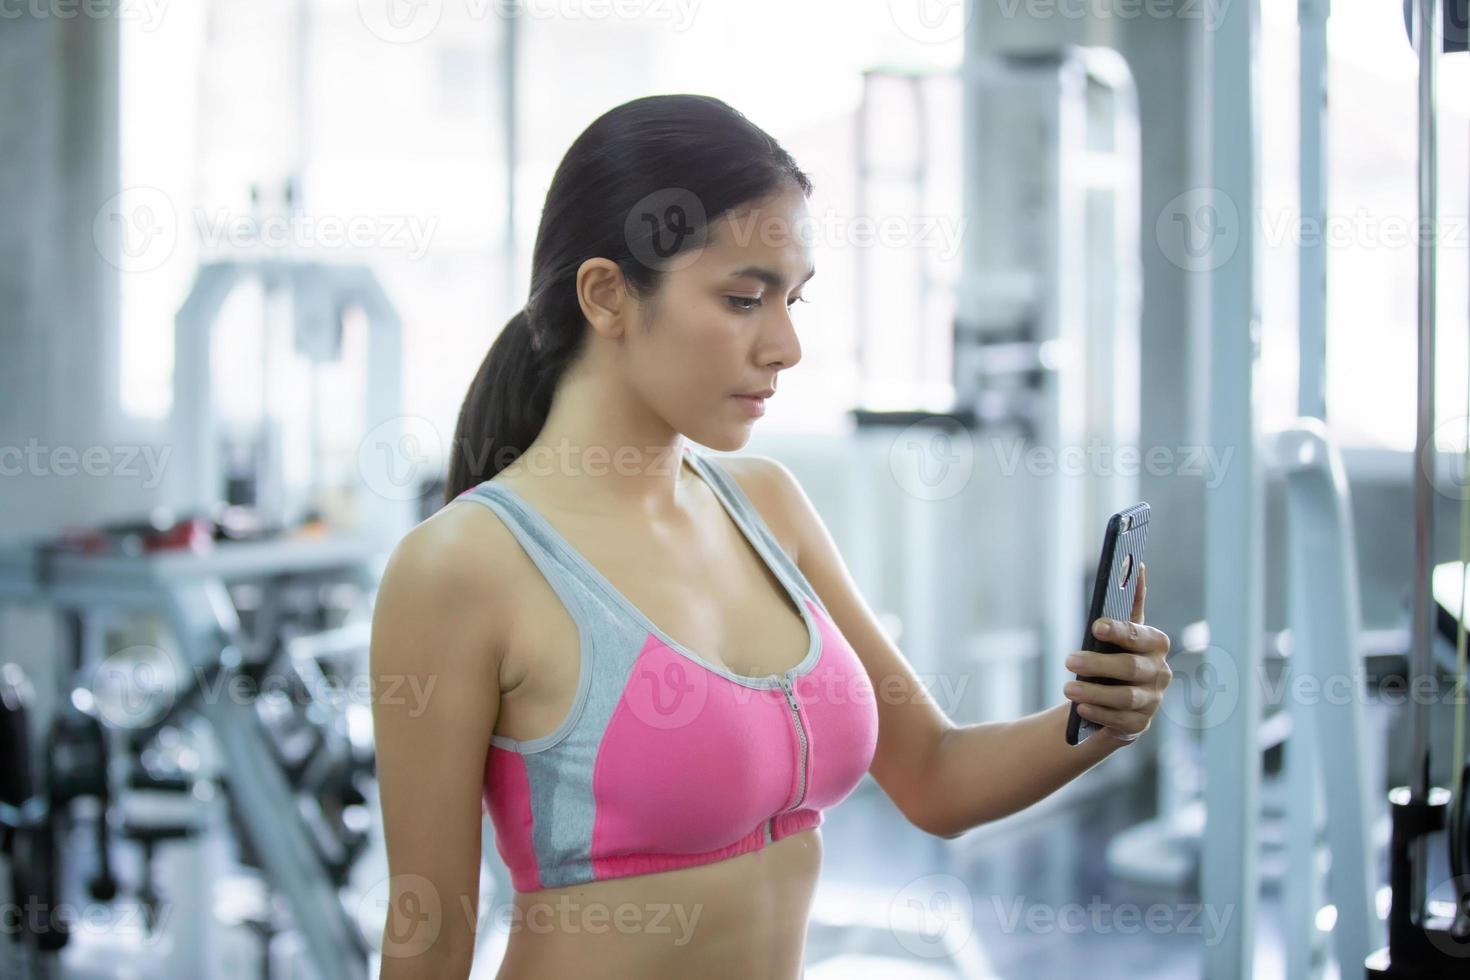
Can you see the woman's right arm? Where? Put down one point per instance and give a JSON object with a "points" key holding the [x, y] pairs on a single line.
{"points": [[435, 663]]}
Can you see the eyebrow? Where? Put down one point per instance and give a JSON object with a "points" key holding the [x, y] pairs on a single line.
{"points": [[770, 277]]}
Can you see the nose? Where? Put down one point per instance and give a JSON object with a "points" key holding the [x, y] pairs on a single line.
{"points": [[782, 345]]}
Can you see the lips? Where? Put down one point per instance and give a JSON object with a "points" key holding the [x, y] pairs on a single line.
{"points": [[752, 403]]}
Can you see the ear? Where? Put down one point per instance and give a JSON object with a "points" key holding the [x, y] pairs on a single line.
{"points": [[603, 295]]}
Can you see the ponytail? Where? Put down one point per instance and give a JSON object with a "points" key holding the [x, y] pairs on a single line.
{"points": [[503, 412]]}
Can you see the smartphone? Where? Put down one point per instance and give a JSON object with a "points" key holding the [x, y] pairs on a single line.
{"points": [[1112, 596]]}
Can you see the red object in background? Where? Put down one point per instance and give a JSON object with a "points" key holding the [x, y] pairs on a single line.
{"points": [[191, 534], [88, 541]]}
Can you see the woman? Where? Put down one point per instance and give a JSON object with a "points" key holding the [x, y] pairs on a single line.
{"points": [[650, 667]]}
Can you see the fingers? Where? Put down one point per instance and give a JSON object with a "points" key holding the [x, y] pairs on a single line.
{"points": [[1138, 595], [1134, 668], [1127, 722], [1131, 636], [1120, 697]]}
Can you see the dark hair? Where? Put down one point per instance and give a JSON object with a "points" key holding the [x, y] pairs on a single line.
{"points": [[641, 184]]}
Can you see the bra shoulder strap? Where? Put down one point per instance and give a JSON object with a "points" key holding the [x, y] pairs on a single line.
{"points": [[739, 504]]}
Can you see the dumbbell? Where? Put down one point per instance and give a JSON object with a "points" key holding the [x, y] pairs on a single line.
{"points": [[25, 815], [77, 753]]}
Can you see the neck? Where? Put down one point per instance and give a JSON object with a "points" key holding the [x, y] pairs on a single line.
{"points": [[602, 446]]}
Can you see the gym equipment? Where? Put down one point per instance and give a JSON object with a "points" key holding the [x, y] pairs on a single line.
{"points": [[1421, 943], [1234, 518], [246, 592], [35, 812], [24, 837], [159, 771], [319, 293], [1326, 642], [305, 856]]}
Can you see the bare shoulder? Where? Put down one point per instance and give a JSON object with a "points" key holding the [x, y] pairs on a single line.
{"points": [[455, 567], [463, 546], [775, 492]]}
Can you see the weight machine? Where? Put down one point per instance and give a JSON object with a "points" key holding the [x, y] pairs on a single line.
{"points": [[1424, 942], [243, 693]]}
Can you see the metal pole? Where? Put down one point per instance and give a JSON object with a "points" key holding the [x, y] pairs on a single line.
{"points": [[1234, 511], [1428, 28], [1312, 258], [1427, 16], [1302, 762]]}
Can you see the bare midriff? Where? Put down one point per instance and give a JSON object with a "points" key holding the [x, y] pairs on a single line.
{"points": [[742, 917]]}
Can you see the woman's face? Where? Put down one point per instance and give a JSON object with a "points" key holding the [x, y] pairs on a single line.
{"points": [[722, 323]]}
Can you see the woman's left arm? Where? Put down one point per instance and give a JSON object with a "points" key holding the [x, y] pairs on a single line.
{"points": [[1032, 757], [947, 778]]}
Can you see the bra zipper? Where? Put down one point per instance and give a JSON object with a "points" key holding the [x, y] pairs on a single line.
{"points": [[788, 690]]}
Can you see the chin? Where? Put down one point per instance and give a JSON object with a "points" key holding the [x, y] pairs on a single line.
{"points": [[723, 439]]}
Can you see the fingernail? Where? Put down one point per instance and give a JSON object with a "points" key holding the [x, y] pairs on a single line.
{"points": [[1101, 629], [1074, 663]]}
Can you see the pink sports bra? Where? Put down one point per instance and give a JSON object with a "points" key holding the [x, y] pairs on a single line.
{"points": [[666, 760]]}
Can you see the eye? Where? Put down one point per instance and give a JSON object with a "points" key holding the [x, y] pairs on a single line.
{"points": [[739, 302]]}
